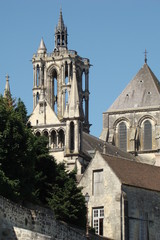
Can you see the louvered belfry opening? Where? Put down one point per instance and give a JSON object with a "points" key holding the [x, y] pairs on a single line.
{"points": [[147, 137], [122, 130]]}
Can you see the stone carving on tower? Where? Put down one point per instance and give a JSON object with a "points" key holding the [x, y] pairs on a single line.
{"points": [[61, 96]]}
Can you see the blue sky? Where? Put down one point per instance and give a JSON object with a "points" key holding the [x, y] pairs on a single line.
{"points": [[113, 34]]}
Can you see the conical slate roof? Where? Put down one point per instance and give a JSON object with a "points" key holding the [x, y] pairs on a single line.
{"points": [[142, 91]]}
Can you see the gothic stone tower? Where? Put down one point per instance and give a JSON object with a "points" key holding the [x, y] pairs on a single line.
{"points": [[61, 98]]}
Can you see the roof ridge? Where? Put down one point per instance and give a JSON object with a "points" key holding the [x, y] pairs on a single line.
{"points": [[119, 156]]}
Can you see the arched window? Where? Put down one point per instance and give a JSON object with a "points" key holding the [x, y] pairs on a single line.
{"points": [[38, 76], [83, 80], [66, 73], [38, 134], [54, 91], [53, 139], [147, 136], [45, 133], [37, 97], [122, 133], [58, 39], [72, 136], [61, 139]]}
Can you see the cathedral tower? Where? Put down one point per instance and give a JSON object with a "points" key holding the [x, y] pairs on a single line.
{"points": [[61, 95]]}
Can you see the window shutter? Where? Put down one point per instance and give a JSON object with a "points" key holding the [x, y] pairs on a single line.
{"points": [[122, 132], [147, 137]]}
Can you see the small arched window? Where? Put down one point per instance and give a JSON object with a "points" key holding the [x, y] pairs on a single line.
{"points": [[147, 136], [54, 94], [122, 133], [38, 134], [37, 97], [53, 139], [61, 139], [45, 133], [38, 76], [72, 136]]}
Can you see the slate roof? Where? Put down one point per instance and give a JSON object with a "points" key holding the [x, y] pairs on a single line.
{"points": [[92, 144], [142, 91], [135, 174]]}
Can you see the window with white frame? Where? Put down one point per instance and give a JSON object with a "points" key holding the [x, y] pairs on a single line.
{"points": [[98, 216]]}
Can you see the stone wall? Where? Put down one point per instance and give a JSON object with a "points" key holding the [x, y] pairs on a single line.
{"points": [[134, 120], [143, 213], [19, 223]]}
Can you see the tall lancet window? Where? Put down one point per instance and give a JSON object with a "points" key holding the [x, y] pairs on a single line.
{"points": [[38, 76], [37, 97], [53, 93], [72, 136], [147, 136], [122, 133]]}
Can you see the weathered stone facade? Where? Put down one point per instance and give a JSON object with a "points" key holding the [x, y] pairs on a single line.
{"points": [[127, 196], [19, 223], [61, 99], [143, 213]]}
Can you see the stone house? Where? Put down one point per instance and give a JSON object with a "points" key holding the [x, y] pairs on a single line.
{"points": [[132, 122], [124, 197]]}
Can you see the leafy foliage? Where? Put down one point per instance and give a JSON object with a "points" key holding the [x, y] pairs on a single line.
{"points": [[29, 173], [66, 199]]}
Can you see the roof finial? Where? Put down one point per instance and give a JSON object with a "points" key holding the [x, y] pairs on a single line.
{"points": [[145, 56], [7, 87]]}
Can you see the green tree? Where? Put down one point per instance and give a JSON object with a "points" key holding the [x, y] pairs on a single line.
{"points": [[66, 198], [21, 110], [29, 173], [16, 151]]}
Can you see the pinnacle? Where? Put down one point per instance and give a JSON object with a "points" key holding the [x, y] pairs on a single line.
{"points": [[42, 47], [7, 87], [61, 22]]}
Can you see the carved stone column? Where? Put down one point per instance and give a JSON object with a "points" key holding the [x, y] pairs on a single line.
{"points": [[34, 76], [50, 140], [69, 68], [76, 136], [67, 138]]}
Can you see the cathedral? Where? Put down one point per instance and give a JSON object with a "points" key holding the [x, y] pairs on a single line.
{"points": [[61, 103], [61, 98], [115, 170]]}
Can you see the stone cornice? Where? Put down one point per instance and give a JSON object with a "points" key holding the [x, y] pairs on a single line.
{"points": [[133, 110]]}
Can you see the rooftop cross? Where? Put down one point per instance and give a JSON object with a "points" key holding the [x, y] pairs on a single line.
{"points": [[145, 56]]}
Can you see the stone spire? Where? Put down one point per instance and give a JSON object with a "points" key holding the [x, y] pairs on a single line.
{"points": [[73, 107], [42, 48], [61, 33], [61, 25], [7, 87]]}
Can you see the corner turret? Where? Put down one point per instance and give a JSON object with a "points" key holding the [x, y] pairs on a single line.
{"points": [[42, 48]]}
